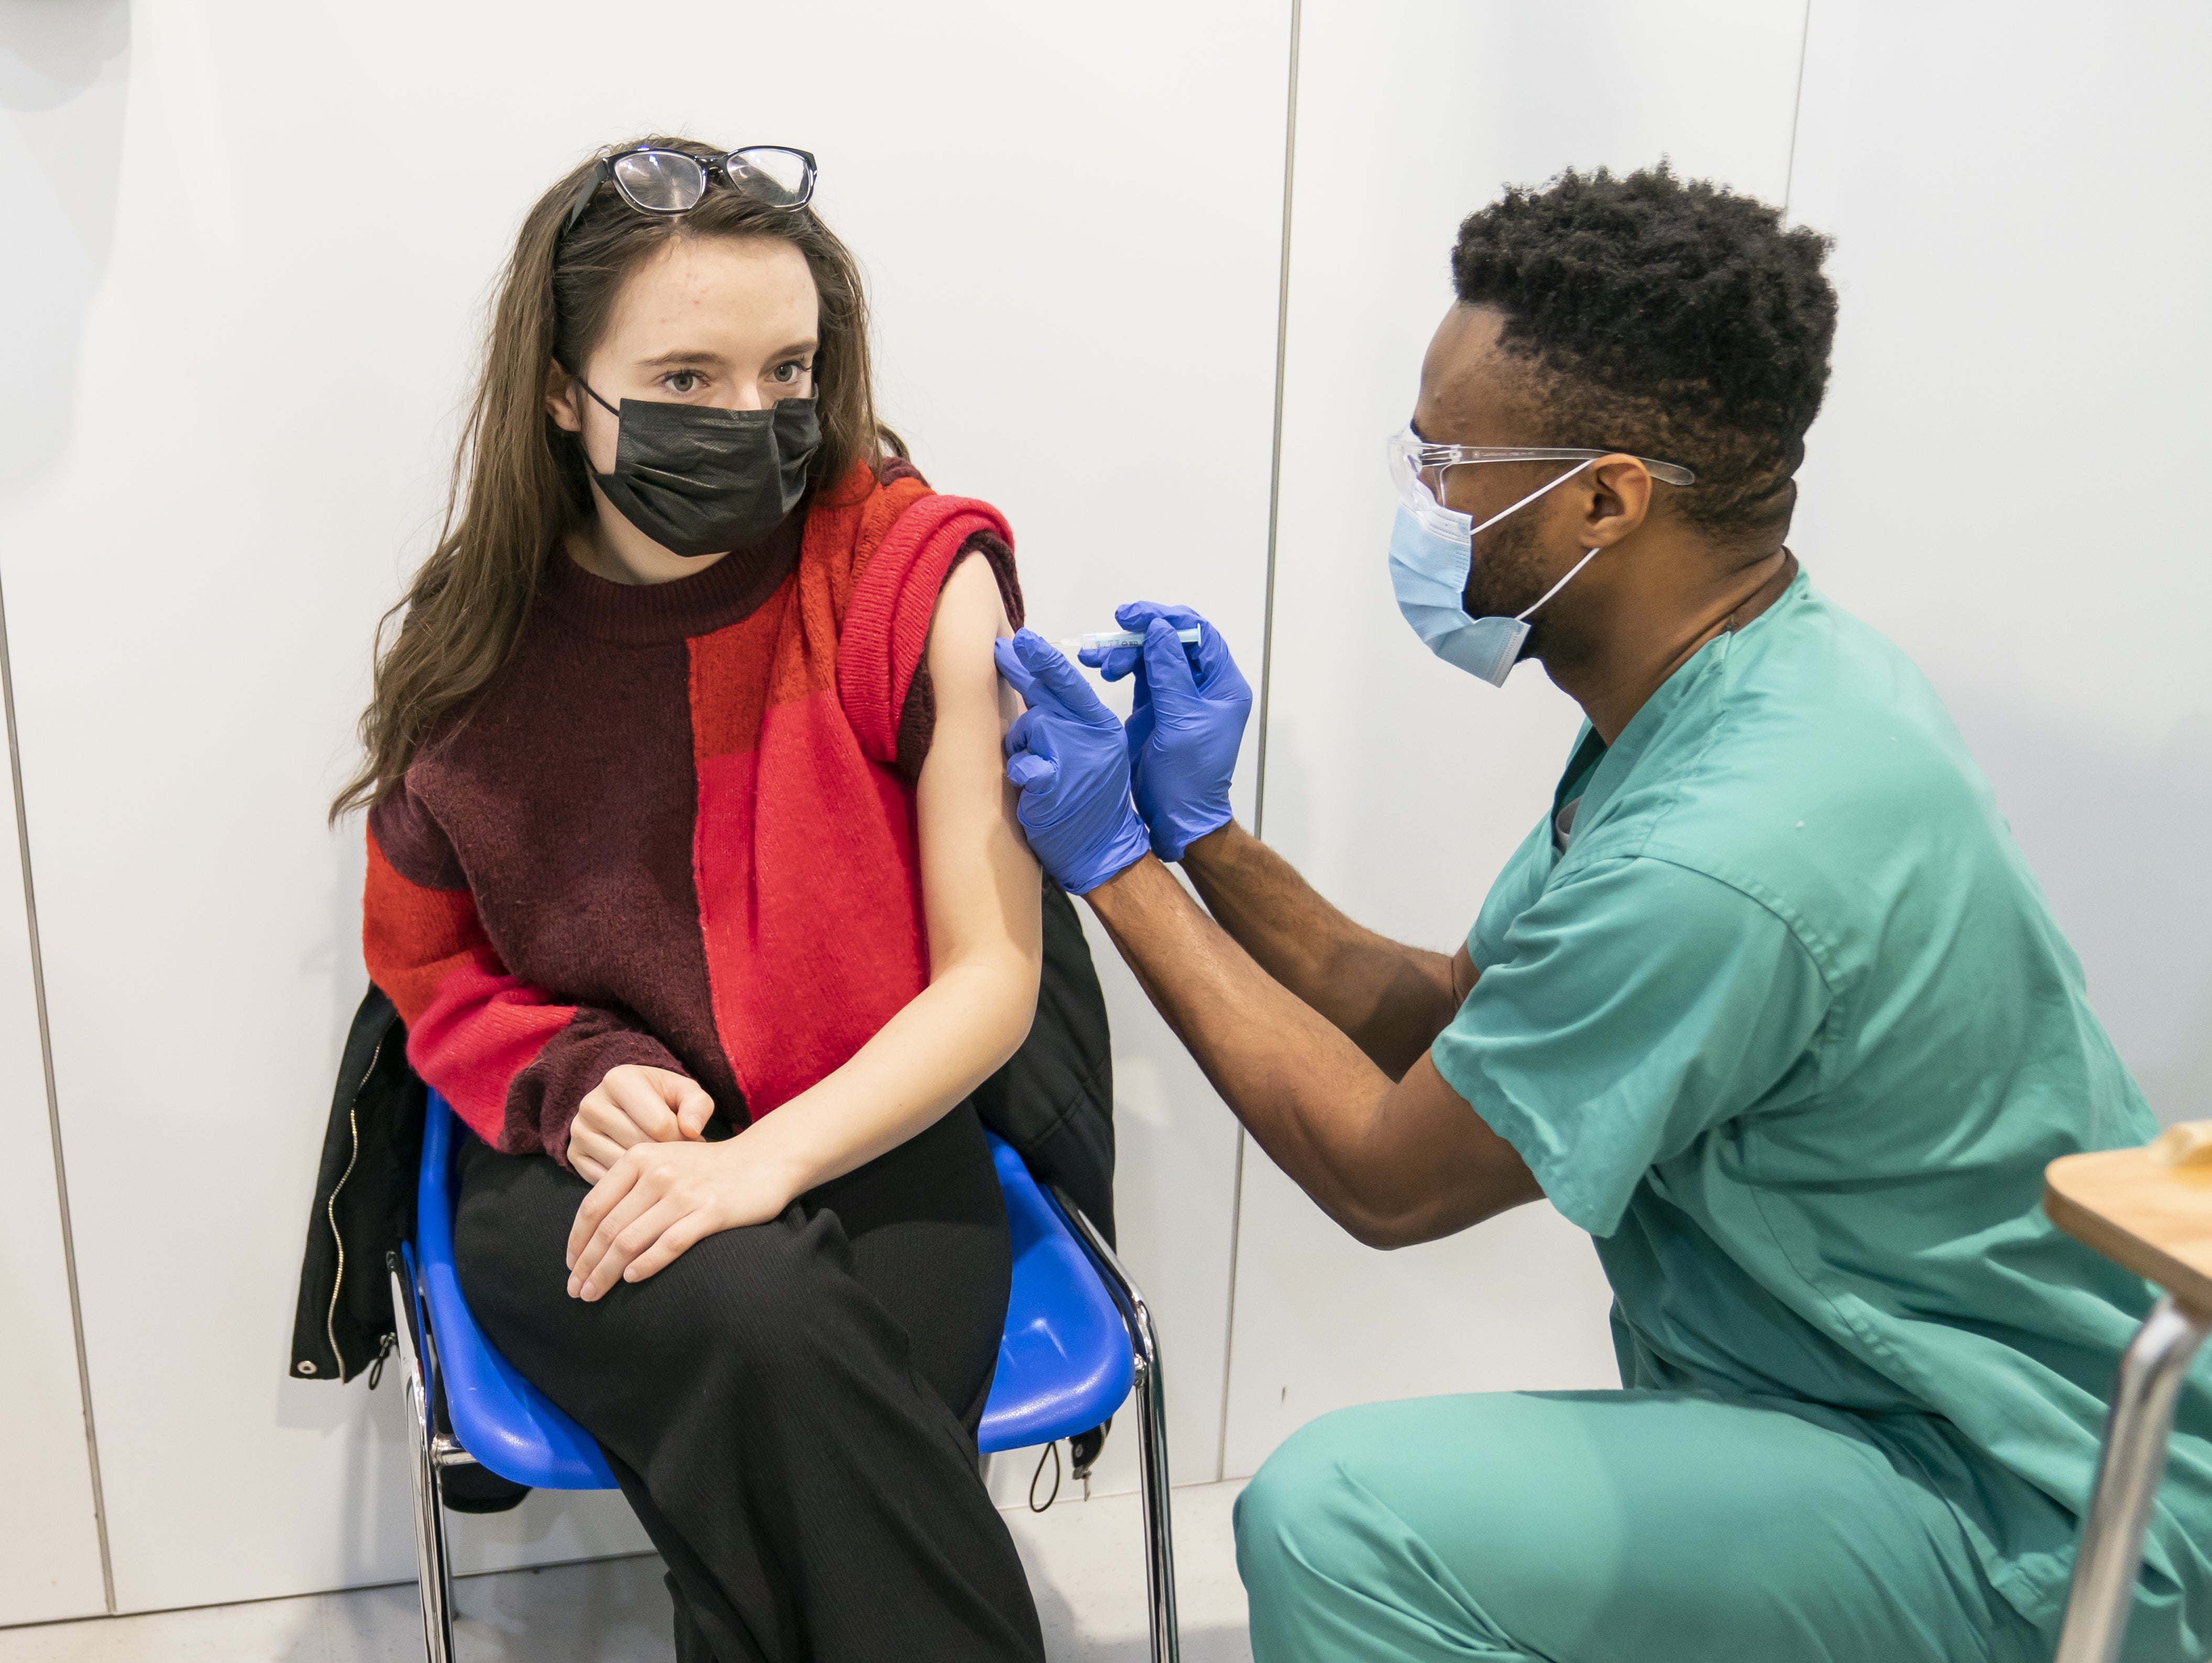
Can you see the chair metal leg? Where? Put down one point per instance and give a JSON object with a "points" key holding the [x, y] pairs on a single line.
{"points": [[1159, 1519], [2137, 1431], [1151, 1392], [433, 1569]]}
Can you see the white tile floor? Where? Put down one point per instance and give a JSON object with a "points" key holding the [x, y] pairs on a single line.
{"points": [[1086, 1560]]}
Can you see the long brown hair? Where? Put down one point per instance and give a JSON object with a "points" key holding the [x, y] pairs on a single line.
{"points": [[519, 483]]}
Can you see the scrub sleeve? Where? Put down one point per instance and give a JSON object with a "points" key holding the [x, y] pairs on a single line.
{"points": [[1636, 1004]]}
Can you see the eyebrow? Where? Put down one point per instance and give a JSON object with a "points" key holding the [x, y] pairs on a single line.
{"points": [[678, 360]]}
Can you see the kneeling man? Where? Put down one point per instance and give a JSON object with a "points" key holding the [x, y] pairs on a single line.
{"points": [[1768, 1002]]}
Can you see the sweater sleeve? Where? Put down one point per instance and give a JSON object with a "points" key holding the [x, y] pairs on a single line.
{"points": [[513, 1061], [918, 715], [885, 629]]}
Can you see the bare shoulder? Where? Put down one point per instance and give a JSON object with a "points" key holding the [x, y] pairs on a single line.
{"points": [[970, 604], [970, 614]]}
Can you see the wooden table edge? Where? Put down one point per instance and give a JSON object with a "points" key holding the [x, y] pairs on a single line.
{"points": [[2191, 1288]]}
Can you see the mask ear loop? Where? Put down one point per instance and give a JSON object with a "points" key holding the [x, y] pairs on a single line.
{"points": [[1522, 617], [1549, 484], [582, 452]]}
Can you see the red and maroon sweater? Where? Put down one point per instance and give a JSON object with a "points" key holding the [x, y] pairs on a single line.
{"points": [[678, 828]]}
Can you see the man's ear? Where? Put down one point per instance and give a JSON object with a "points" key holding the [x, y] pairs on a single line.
{"points": [[561, 398], [1618, 498]]}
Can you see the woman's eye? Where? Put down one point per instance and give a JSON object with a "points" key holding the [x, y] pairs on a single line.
{"points": [[682, 381], [786, 374]]}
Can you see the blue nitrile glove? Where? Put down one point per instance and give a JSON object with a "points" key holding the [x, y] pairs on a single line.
{"points": [[1071, 759], [1187, 723]]}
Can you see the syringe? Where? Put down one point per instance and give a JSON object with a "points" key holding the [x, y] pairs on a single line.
{"points": [[1118, 638]]}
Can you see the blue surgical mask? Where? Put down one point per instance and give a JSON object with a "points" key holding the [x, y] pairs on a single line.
{"points": [[1430, 555]]}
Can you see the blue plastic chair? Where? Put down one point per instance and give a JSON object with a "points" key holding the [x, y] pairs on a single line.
{"points": [[1079, 1336]]}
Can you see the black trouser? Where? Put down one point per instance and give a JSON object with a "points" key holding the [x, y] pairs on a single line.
{"points": [[790, 1408]]}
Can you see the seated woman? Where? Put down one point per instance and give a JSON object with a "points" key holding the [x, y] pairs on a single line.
{"points": [[693, 877]]}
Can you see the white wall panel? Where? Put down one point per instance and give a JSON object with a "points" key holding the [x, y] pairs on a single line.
{"points": [[2004, 479], [49, 1535], [60, 83], [264, 251], [1397, 784]]}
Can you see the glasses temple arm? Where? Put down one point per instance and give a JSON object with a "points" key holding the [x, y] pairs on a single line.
{"points": [[584, 193]]}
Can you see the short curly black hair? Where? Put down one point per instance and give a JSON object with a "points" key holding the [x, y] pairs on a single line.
{"points": [[1670, 317]]}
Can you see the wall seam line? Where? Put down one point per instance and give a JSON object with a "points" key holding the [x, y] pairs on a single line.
{"points": [[54, 1113], [1266, 669], [1796, 111]]}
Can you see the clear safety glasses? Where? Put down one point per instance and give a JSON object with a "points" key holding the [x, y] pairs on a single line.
{"points": [[673, 181], [1418, 469]]}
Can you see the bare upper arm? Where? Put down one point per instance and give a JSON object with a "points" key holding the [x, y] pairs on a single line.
{"points": [[1452, 1170], [981, 887]]}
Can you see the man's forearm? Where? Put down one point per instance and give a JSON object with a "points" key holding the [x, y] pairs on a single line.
{"points": [[1299, 1084], [1391, 1163], [1389, 999]]}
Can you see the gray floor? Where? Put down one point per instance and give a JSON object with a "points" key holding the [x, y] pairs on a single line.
{"points": [[1086, 1560]]}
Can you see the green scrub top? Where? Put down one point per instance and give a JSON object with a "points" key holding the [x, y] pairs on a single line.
{"points": [[1790, 1029]]}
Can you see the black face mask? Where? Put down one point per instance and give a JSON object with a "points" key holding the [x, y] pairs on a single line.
{"points": [[699, 480]]}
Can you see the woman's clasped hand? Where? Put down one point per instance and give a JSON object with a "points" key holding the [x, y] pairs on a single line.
{"points": [[658, 1199], [634, 1104]]}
